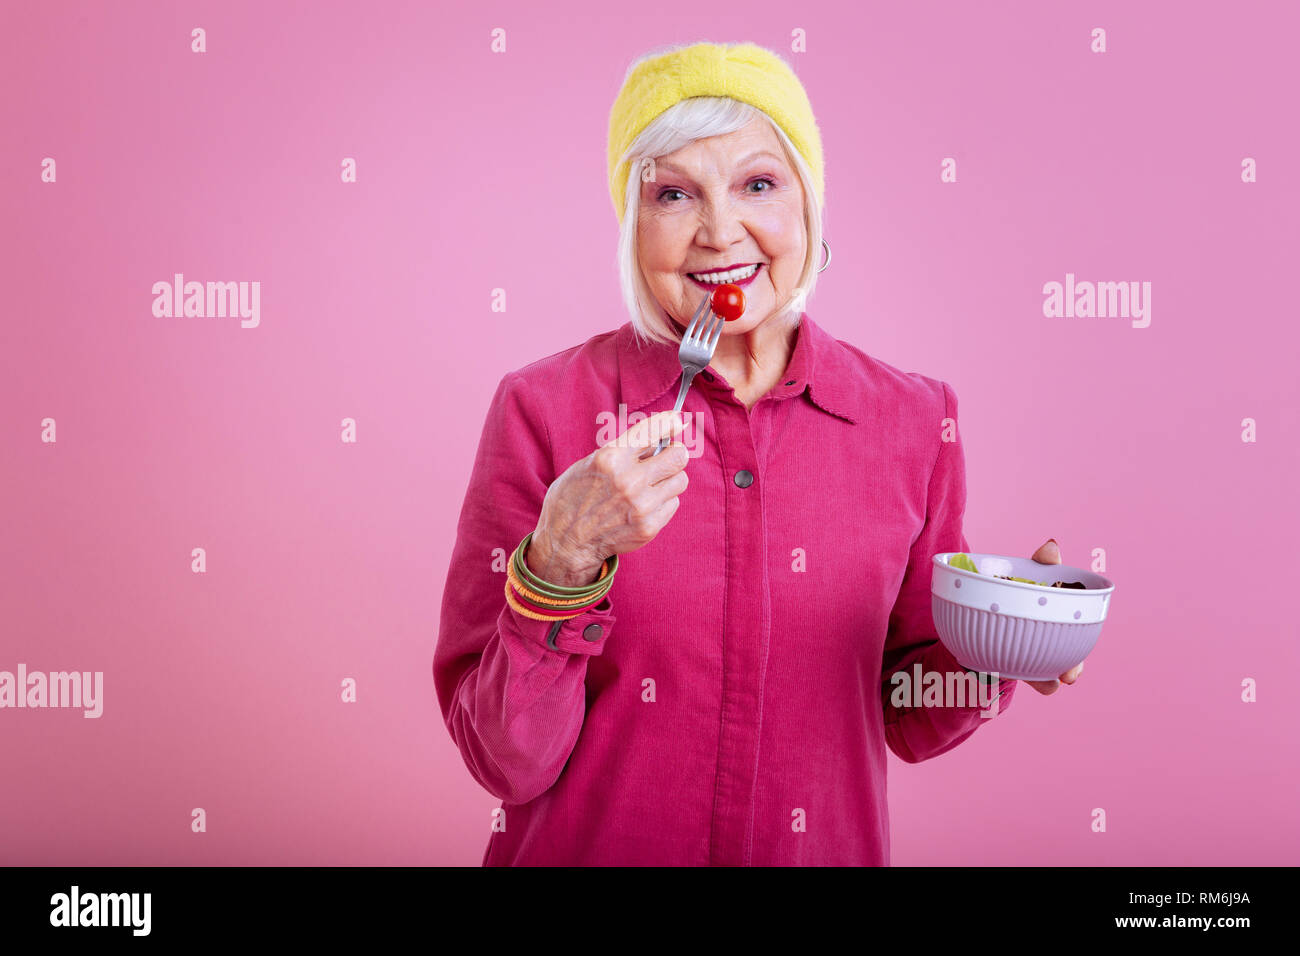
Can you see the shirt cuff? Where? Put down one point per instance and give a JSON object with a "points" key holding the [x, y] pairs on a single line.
{"points": [[584, 634]]}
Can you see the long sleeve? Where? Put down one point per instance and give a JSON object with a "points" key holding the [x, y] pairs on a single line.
{"points": [[919, 733], [513, 704]]}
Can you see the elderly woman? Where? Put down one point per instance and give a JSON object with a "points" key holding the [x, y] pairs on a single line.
{"points": [[688, 657]]}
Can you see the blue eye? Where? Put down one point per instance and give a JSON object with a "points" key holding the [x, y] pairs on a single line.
{"points": [[770, 183]]}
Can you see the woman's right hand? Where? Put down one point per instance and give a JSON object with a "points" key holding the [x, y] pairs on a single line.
{"points": [[611, 502]]}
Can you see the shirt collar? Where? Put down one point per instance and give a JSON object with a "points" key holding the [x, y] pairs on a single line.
{"points": [[820, 365]]}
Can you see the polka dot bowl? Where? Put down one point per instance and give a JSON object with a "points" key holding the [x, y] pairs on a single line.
{"points": [[1025, 631]]}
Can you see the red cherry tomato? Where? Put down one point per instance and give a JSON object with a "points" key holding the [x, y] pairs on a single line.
{"points": [[728, 302]]}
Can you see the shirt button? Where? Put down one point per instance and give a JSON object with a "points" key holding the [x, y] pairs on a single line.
{"points": [[791, 382], [744, 478], [592, 632]]}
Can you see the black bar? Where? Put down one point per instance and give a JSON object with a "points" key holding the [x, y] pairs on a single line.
{"points": [[333, 905]]}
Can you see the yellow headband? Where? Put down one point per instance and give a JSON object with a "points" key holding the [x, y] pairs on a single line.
{"points": [[744, 72]]}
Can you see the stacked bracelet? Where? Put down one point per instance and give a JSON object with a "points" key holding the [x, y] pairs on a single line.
{"points": [[542, 601]]}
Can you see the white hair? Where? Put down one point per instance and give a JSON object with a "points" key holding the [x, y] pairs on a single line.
{"points": [[691, 119]]}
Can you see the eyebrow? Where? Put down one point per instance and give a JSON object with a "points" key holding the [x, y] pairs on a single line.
{"points": [[752, 156]]}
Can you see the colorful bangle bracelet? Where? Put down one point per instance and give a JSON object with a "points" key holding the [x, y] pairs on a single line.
{"points": [[545, 605], [513, 600], [541, 614], [556, 590], [551, 611], [548, 601], [514, 603]]}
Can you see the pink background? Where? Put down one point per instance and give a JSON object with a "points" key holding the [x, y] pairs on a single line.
{"points": [[478, 171]]}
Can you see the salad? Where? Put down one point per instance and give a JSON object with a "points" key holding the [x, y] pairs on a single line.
{"points": [[964, 562]]}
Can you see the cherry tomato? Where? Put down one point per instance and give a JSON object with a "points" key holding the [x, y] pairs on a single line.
{"points": [[728, 302]]}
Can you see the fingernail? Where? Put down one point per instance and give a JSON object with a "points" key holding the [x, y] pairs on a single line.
{"points": [[1054, 541]]}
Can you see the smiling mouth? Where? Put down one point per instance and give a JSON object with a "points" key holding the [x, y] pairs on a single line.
{"points": [[737, 274]]}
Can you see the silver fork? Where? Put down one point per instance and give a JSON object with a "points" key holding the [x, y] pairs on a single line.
{"points": [[696, 352]]}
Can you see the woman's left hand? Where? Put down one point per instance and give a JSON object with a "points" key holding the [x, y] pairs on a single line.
{"points": [[1050, 553]]}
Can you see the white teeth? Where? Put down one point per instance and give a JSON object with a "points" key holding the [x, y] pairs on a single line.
{"points": [[717, 278]]}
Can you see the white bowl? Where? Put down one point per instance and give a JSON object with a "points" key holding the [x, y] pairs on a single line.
{"points": [[1024, 631]]}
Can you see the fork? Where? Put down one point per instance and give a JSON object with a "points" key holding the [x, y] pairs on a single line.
{"points": [[696, 352]]}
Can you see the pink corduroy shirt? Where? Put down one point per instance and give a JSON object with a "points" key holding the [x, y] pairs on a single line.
{"points": [[729, 702]]}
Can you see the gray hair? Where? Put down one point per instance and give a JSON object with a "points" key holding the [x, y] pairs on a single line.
{"points": [[691, 119]]}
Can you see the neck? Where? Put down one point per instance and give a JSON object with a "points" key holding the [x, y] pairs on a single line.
{"points": [[754, 361]]}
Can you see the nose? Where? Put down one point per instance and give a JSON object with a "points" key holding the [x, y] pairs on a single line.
{"points": [[720, 224]]}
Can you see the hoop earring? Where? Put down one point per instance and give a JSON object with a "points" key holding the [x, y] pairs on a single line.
{"points": [[828, 255]]}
